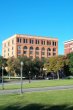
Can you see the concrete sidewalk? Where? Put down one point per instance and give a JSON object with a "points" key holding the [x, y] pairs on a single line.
{"points": [[17, 91]]}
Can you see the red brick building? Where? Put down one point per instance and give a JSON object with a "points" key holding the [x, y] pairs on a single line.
{"points": [[68, 47], [30, 46]]}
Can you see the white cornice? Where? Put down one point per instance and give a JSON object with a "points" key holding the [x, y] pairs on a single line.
{"points": [[9, 38], [69, 41]]}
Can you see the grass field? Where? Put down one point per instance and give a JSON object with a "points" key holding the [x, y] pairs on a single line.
{"points": [[50, 100], [42, 83]]}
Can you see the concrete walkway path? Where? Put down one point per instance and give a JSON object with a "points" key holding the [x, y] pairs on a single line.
{"points": [[17, 91]]}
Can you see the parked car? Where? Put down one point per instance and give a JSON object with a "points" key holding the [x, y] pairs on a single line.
{"points": [[69, 77]]}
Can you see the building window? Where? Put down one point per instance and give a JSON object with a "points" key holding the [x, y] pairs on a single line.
{"points": [[25, 41], [43, 53], [54, 54], [31, 57], [54, 49], [31, 52], [37, 41], [48, 49], [37, 48], [37, 53], [19, 52], [12, 48], [31, 48], [43, 42], [19, 40], [48, 54], [4, 51], [42, 58], [31, 41], [43, 49], [25, 47], [8, 54], [48, 42], [12, 52], [8, 49], [25, 52], [37, 57], [55, 43], [4, 55], [19, 47], [12, 41]]}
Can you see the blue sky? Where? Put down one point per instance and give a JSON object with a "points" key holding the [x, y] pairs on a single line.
{"points": [[52, 18]]}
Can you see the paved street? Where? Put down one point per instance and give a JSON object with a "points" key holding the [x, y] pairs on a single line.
{"points": [[17, 91], [17, 82]]}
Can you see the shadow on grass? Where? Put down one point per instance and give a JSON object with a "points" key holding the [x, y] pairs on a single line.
{"points": [[39, 107]]}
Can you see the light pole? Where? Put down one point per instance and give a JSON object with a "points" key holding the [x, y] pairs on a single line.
{"points": [[21, 75], [2, 78], [29, 76]]}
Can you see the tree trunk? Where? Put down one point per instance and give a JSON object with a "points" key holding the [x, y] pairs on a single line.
{"points": [[58, 75]]}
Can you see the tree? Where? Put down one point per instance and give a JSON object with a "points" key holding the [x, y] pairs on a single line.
{"points": [[70, 57], [26, 67], [50, 64], [10, 66], [2, 63], [38, 65], [55, 64], [34, 66], [59, 64]]}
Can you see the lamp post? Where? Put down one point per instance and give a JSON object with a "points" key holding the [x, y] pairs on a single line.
{"points": [[29, 76], [2, 78], [21, 75], [57, 71]]}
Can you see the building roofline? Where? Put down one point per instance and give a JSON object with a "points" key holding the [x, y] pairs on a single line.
{"points": [[9, 38], [30, 36], [68, 41]]}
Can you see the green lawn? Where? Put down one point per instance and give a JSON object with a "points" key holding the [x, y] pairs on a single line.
{"points": [[50, 100], [42, 83]]}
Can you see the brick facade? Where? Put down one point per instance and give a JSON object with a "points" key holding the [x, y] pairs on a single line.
{"points": [[68, 47], [30, 46]]}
